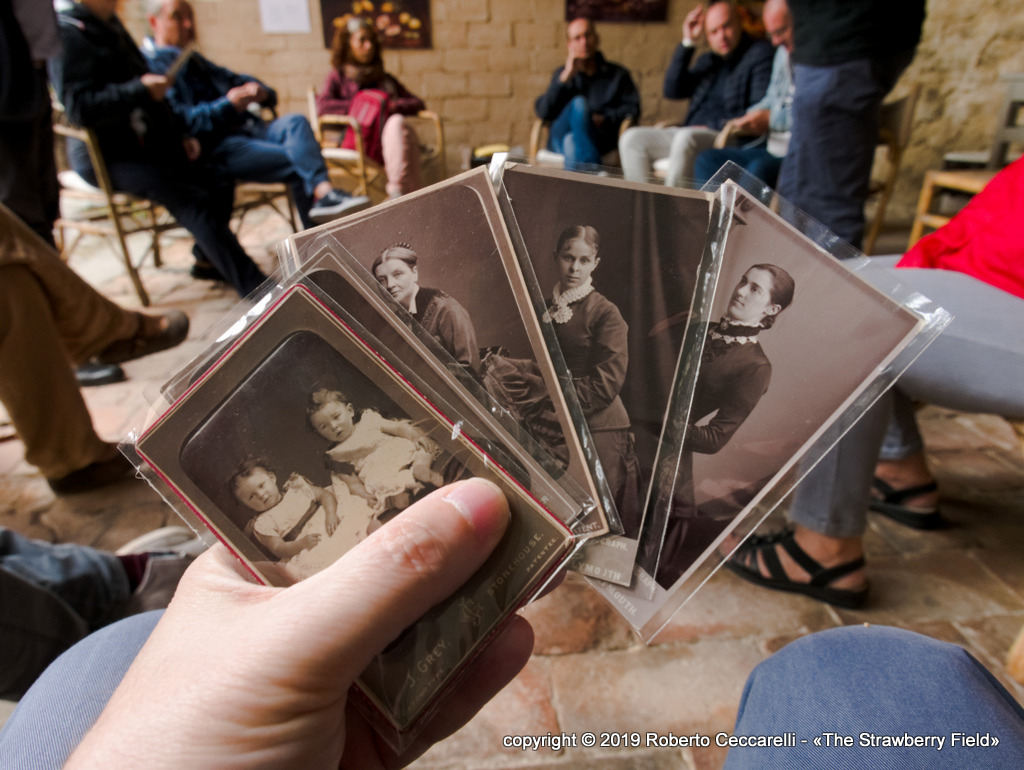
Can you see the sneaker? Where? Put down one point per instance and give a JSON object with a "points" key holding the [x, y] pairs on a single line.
{"points": [[337, 204], [158, 584], [175, 540]]}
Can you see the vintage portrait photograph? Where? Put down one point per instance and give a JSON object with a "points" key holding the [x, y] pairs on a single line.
{"points": [[443, 258], [792, 337], [301, 441], [616, 264]]}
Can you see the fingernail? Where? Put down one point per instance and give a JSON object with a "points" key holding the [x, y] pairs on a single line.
{"points": [[483, 505]]}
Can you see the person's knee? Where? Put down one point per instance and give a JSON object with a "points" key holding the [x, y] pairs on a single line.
{"points": [[579, 111]]}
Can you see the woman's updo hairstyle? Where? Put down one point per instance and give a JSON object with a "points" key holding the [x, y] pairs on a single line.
{"points": [[400, 251], [781, 292], [571, 233]]}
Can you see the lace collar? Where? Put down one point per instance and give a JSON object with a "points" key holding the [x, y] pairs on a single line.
{"points": [[561, 312]]}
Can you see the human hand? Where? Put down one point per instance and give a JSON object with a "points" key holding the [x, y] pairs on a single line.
{"points": [[597, 119], [755, 122], [693, 25], [156, 85], [193, 149], [244, 95], [331, 522], [572, 66], [244, 675]]}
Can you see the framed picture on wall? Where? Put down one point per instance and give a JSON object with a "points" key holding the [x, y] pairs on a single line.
{"points": [[399, 23], [617, 10]]}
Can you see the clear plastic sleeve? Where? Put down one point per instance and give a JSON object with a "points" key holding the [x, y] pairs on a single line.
{"points": [[756, 406], [300, 431]]}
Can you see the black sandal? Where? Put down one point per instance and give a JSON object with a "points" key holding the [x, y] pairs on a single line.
{"points": [[891, 504], [745, 563]]}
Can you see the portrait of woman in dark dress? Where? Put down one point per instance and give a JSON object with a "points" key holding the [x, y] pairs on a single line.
{"points": [[439, 313], [734, 375], [593, 337]]}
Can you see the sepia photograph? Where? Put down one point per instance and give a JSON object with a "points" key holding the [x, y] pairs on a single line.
{"points": [[443, 258], [617, 264], [301, 441]]}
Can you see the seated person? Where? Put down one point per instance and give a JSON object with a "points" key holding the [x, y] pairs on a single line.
{"points": [[722, 84], [104, 83], [50, 319], [769, 118], [217, 106], [358, 85], [587, 100]]}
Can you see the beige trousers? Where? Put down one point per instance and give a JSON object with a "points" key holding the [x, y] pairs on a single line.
{"points": [[50, 319]]}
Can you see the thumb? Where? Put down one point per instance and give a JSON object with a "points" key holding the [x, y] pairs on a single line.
{"points": [[362, 602]]}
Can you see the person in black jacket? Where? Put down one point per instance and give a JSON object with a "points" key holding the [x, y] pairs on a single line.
{"points": [[721, 84], [105, 84], [587, 100], [217, 105]]}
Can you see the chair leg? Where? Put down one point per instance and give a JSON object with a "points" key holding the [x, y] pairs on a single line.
{"points": [[133, 272], [924, 205]]}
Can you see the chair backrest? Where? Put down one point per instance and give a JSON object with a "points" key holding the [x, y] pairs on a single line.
{"points": [[1010, 133], [896, 119]]}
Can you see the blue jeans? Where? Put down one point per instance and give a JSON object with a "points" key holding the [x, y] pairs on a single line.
{"points": [[201, 201], [573, 135], [827, 168], [284, 150], [51, 596], [68, 698], [757, 160], [864, 681]]}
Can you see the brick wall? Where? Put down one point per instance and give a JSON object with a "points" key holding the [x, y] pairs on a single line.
{"points": [[491, 58]]}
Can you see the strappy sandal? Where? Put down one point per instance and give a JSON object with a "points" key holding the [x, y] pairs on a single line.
{"points": [[746, 561], [890, 503]]}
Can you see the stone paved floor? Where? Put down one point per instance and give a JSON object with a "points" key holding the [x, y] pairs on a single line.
{"points": [[964, 584]]}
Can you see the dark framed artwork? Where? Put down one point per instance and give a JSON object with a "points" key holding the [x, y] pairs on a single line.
{"points": [[617, 10], [399, 23]]}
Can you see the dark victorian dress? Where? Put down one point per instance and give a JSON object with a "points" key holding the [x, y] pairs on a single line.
{"points": [[595, 345], [734, 374]]}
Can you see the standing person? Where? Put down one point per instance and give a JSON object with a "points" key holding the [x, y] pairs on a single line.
{"points": [[771, 118], [847, 56], [735, 374], [594, 340], [105, 84], [721, 84], [357, 85], [438, 312], [217, 106], [588, 99]]}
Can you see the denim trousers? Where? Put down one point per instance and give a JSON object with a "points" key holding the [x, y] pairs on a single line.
{"points": [[51, 597], [572, 134], [284, 150], [827, 169], [757, 160], [851, 688]]}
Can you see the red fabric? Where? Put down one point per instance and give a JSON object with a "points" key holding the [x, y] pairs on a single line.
{"points": [[984, 239], [370, 109]]}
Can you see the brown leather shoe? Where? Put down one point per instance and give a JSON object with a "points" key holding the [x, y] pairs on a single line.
{"points": [[93, 476], [155, 333]]}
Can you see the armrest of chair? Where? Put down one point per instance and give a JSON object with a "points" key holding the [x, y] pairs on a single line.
{"points": [[325, 123]]}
